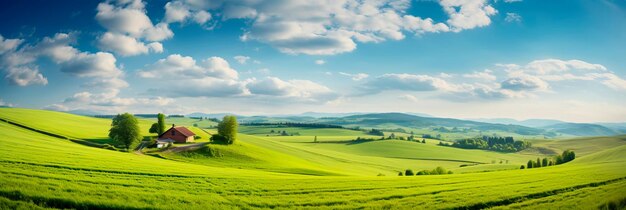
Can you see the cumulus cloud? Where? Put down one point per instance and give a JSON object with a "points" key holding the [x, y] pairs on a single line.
{"points": [[128, 24], [21, 69], [9, 44], [407, 82], [524, 82], [301, 89], [177, 11], [467, 14], [126, 45], [178, 66], [355, 77], [241, 59], [333, 27], [483, 75], [541, 72]]}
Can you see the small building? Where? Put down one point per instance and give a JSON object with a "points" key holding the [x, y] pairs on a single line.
{"points": [[161, 143], [178, 134]]}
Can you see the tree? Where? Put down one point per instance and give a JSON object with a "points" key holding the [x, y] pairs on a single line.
{"points": [[544, 162], [400, 173], [154, 128], [315, 139], [125, 130], [521, 167], [538, 163], [161, 123], [227, 128], [423, 141], [529, 164], [408, 172]]}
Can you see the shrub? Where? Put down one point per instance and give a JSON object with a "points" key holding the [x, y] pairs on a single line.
{"points": [[530, 164], [408, 172], [400, 173], [521, 167], [217, 138], [439, 170]]}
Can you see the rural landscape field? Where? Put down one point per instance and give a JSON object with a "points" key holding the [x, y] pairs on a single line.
{"points": [[307, 104]]}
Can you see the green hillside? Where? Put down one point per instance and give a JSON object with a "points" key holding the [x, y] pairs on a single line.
{"points": [[39, 170], [582, 129]]}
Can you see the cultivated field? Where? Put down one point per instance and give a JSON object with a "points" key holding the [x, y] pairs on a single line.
{"points": [[261, 171]]}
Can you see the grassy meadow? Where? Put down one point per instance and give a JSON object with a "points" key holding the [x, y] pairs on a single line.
{"points": [[269, 171]]}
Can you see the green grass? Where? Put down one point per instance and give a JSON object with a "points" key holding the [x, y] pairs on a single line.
{"points": [[65, 124], [267, 172]]}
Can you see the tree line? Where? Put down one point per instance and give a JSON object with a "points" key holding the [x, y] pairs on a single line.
{"points": [[566, 156], [495, 143], [437, 171], [293, 124]]}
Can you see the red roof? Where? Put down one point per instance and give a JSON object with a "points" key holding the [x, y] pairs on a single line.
{"points": [[181, 130]]}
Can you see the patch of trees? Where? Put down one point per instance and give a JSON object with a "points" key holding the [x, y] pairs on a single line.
{"points": [[125, 130], [376, 132], [566, 156], [283, 133], [453, 130], [226, 131], [176, 116], [495, 143], [293, 124], [437, 171]]}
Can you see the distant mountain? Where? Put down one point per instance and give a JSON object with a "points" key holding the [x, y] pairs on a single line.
{"points": [[582, 129], [407, 120], [619, 127], [326, 114], [215, 115], [536, 123], [84, 112]]}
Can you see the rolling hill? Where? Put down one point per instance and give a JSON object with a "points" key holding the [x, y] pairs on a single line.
{"points": [[43, 171], [407, 120], [582, 129]]}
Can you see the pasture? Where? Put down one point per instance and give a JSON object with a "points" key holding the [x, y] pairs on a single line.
{"points": [[262, 171]]}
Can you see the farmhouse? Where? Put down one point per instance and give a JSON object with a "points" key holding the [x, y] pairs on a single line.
{"points": [[178, 134]]}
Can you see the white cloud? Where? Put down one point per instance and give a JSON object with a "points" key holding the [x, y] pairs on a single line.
{"points": [[178, 66], [128, 26], [9, 44], [483, 75], [300, 89], [125, 45], [333, 27], [407, 82], [320, 62], [547, 71], [513, 17], [525, 82], [178, 11], [355, 77], [467, 14], [25, 76], [203, 87], [21, 69], [241, 59]]}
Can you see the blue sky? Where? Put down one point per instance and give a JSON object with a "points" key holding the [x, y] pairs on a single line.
{"points": [[450, 58]]}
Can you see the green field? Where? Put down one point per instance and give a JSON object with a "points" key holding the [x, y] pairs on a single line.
{"points": [[262, 171]]}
